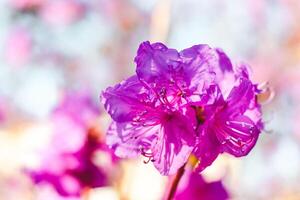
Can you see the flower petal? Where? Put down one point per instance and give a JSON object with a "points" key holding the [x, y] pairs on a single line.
{"points": [[174, 144], [193, 186], [236, 132], [158, 68], [207, 149], [237, 135], [56, 180], [155, 62], [128, 140], [198, 62], [127, 100], [240, 97], [224, 61], [204, 65]]}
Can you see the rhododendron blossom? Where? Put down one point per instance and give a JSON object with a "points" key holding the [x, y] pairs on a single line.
{"points": [[68, 162], [181, 103]]}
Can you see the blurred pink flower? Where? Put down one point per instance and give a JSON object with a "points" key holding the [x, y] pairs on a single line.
{"points": [[26, 4], [73, 117], [18, 46], [194, 187], [3, 110], [68, 162], [72, 173], [62, 12]]}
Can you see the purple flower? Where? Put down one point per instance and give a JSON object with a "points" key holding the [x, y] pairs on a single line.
{"points": [[229, 125], [18, 47], [143, 123], [194, 187], [78, 107], [72, 119], [176, 104], [71, 173], [68, 162]]}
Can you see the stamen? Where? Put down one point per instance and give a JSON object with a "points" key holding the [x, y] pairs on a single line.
{"points": [[148, 160], [147, 155]]}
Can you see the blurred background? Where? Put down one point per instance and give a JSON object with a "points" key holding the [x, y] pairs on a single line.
{"points": [[54, 48]]}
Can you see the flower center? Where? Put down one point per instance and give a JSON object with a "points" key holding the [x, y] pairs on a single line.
{"points": [[199, 114]]}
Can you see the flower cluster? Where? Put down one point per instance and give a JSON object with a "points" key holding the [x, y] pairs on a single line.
{"points": [[181, 103], [68, 164]]}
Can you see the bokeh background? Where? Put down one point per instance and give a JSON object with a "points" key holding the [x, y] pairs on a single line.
{"points": [[53, 47]]}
